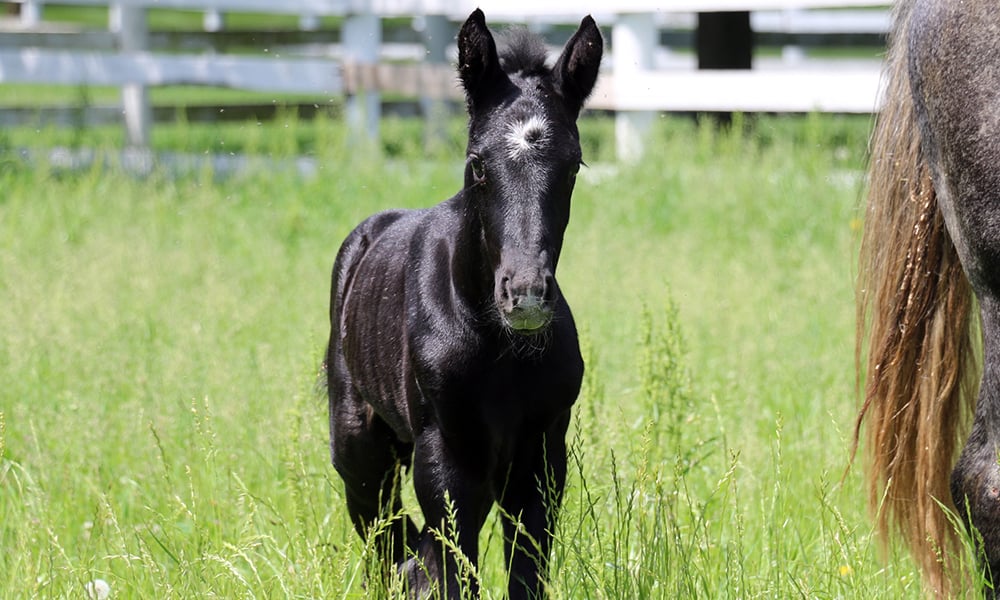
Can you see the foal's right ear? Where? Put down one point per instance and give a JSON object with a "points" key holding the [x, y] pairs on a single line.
{"points": [[478, 63]]}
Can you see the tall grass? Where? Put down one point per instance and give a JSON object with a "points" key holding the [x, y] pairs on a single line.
{"points": [[160, 338]]}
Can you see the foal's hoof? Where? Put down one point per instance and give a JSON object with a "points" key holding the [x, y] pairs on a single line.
{"points": [[418, 579]]}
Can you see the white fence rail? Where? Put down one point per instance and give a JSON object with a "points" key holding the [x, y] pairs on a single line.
{"points": [[634, 83], [36, 65]]}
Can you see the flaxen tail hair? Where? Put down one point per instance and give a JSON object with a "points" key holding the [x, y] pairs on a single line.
{"points": [[914, 319]]}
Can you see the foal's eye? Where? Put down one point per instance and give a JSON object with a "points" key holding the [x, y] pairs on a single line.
{"points": [[478, 169], [573, 170]]}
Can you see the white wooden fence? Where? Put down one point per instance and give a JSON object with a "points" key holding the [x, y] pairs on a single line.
{"points": [[633, 85]]}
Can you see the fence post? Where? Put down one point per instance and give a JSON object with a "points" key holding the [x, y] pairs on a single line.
{"points": [[213, 20], [362, 37], [435, 31], [724, 40], [129, 22], [633, 40], [309, 22], [31, 13]]}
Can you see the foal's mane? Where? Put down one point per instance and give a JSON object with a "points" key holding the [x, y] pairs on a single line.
{"points": [[522, 51]]}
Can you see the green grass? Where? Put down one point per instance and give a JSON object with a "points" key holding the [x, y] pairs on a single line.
{"points": [[160, 339], [177, 20], [35, 95], [284, 136]]}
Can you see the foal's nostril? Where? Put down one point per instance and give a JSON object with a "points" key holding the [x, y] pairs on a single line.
{"points": [[526, 300]]}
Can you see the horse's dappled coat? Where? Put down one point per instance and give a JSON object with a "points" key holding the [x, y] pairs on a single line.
{"points": [[931, 243]]}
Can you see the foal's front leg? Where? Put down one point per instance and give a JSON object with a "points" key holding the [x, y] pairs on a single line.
{"points": [[454, 495], [530, 501]]}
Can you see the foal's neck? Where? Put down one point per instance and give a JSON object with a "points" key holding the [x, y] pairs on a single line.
{"points": [[470, 270]]}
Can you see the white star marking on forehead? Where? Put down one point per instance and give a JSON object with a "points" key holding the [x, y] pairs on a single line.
{"points": [[523, 136]]}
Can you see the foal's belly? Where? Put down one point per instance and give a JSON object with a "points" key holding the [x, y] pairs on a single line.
{"points": [[374, 338]]}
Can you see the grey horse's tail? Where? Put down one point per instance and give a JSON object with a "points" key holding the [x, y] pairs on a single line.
{"points": [[914, 350]]}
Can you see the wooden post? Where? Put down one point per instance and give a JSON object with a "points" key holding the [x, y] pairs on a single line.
{"points": [[213, 20], [308, 22], [31, 13], [436, 33], [724, 40], [633, 39], [129, 22], [362, 38]]}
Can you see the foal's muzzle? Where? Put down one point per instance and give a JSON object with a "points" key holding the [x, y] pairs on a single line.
{"points": [[527, 304]]}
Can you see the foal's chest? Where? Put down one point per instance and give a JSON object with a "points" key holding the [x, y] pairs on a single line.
{"points": [[505, 397]]}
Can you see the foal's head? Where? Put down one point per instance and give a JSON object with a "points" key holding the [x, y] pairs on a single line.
{"points": [[523, 157]]}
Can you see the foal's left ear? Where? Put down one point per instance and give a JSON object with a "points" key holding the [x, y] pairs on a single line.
{"points": [[577, 67]]}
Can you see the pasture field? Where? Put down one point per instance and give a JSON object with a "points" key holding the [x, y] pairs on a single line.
{"points": [[160, 337]]}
